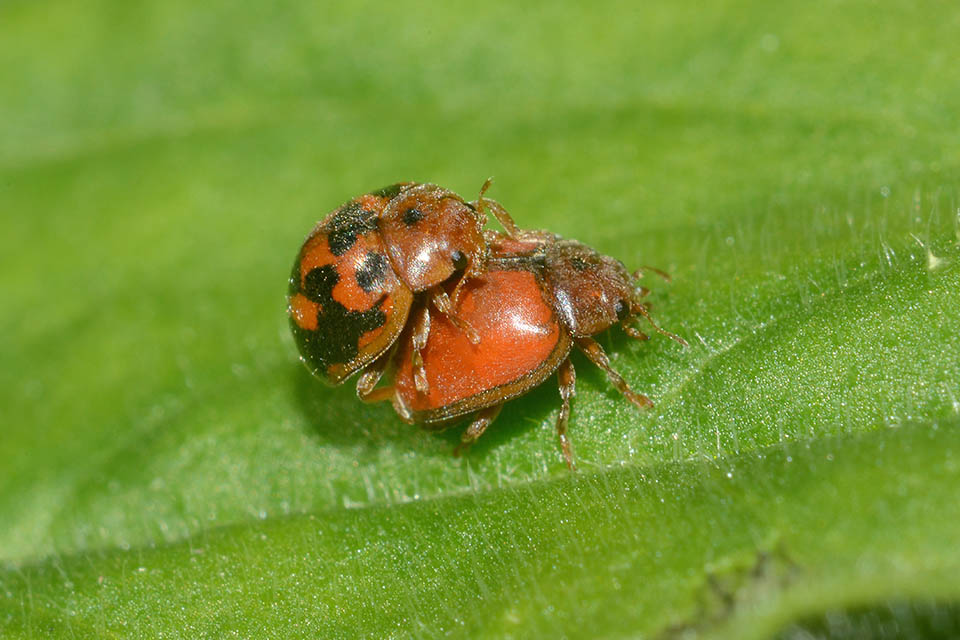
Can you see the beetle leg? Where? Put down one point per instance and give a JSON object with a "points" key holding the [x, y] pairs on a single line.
{"points": [[474, 270], [567, 377], [371, 376], [504, 218], [480, 423], [401, 407], [595, 352], [421, 331], [440, 299]]}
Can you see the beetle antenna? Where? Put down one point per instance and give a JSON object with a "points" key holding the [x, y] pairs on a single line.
{"points": [[480, 203], [504, 218], [642, 310], [639, 273]]}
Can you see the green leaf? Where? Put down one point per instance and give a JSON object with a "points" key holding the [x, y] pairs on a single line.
{"points": [[170, 469]]}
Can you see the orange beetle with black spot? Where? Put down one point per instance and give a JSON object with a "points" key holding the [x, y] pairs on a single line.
{"points": [[357, 274], [540, 296]]}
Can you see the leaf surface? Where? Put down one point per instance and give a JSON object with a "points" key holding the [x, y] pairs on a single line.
{"points": [[169, 468]]}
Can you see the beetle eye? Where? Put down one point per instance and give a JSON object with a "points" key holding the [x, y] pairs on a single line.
{"points": [[459, 260], [622, 310]]}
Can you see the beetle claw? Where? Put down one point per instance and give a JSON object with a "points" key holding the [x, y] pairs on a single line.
{"points": [[636, 334], [638, 399], [471, 334]]}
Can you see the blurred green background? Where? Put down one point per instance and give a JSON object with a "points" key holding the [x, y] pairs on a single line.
{"points": [[167, 467]]}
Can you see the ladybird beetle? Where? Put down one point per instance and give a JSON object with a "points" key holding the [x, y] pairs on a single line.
{"points": [[358, 272], [540, 296]]}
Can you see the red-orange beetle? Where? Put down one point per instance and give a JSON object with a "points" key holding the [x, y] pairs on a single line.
{"points": [[356, 275], [540, 296]]}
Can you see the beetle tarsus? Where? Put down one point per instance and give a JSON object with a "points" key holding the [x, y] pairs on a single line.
{"points": [[636, 334], [476, 428], [367, 382], [421, 332], [440, 300], [592, 349], [567, 377]]}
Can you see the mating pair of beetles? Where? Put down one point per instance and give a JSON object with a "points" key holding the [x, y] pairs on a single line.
{"points": [[406, 278]]}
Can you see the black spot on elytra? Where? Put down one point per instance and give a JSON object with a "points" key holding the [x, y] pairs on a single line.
{"points": [[347, 223], [370, 274], [579, 264], [412, 216], [318, 284], [339, 329], [388, 192]]}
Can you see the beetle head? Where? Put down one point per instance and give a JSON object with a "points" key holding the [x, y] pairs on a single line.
{"points": [[592, 292], [431, 234]]}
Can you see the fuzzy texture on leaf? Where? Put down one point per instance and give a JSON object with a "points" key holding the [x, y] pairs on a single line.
{"points": [[168, 467]]}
